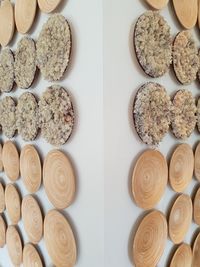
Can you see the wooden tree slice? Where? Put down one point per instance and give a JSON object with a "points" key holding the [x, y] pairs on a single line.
{"points": [[25, 11], [182, 257], [48, 6], [186, 11], [31, 257], [197, 162], [149, 179], [32, 219], [59, 239], [180, 218], [7, 24], [2, 198], [2, 232], [59, 179], [13, 203], [150, 239], [10, 159], [14, 245], [30, 168], [196, 252], [181, 167], [157, 4], [197, 207], [1, 163]]}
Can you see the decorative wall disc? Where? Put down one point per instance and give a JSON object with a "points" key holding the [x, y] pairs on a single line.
{"points": [[2, 198], [13, 203], [14, 245], [182, 257], [31, 257], [48, 6], [2, 232]]}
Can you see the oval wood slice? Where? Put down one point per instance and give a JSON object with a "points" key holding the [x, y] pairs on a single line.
{"points": [[180, 218], [48, 6], [186, 11], [25, 11], [32, 219], [2, 198], [13, 203], [182, 257], [157, 4], [59, 179], [150, 240], [196, 252], [30, 168], [1, 162], [14, 245], [149, 179], [31, 257], [181, 167], [197, 207], [59, 239], [197, 162], [7, 24], [10, 159], [2, 232]]}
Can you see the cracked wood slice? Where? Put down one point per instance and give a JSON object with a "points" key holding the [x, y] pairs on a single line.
{"points": [[186, 11], [2, 198], [48, 6], [31, 257], [7, 24], [25, 11], [14, 245], [182, 256], [13, 203], [157, 4], [196, 252], [2, 232]]}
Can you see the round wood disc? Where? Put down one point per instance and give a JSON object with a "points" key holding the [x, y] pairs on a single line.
{"points": [[30, 168], [32, 219], [182, 257], [59, 179], [150, 239], [186, 11], [197, 162], [196, 252], [2, 198], [2, 232], [7, 23], [14, 245], [157, 4], [181, 167], [25, 11], [149, 179], [31, 257], [59, 239], [13, 203], [180, 218], [197, 207], [1, 162], [48, 6], [10, 159]]}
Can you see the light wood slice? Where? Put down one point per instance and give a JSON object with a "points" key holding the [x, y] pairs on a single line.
{"points": [[180, 218], [157, 4], [2, 198], [59, 179], [150, 240], [30, 168], [186, 11], [48, 6], [32, 219], [31, 257], [13, 203], [181, 167], [10, 158], [59, 239], [25, 11], [150, 176], [182, 257], [7, 23], [197, 162], [2, 232], [196, 252], [1, 162], [14, 245], [197, 207]]}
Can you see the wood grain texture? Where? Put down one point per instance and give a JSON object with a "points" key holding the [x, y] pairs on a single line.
{"points": [[31, 257], [30, 168], [186, 11], [2, 232], [59, 179], [149, 180], [10, 157], [59, 239], [157, 4], [196, 252], [25, 11], [2, 198], [181, 167], [7, 24], [197, 208], [180, 218], [182, 256], [13, 203], [48, 6], [197, 162], [14, 245]]}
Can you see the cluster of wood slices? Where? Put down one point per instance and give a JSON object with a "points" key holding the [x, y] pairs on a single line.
{"points": [[59, 184], [149, 181]]}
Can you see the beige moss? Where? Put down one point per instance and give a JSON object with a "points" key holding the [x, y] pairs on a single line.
{"points": [[6, 70]]}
